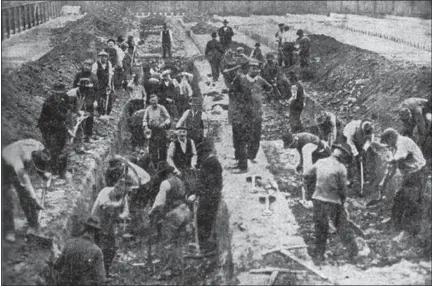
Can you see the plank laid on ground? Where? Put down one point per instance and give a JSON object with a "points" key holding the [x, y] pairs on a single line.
{"points": [[274, 269]]}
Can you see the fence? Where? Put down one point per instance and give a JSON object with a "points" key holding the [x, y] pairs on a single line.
{"points": [[20, 18]]}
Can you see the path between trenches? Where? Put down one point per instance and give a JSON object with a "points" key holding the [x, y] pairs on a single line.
{"points": [[253, 234]]}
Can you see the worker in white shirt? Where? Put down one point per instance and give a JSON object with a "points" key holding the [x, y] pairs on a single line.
{"points": [[279, 35], [288, 47], [104, 72], [182, 154], [185, 92], [410, 161]]}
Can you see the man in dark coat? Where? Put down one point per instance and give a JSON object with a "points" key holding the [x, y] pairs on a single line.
{"points": [[304, 48], [166, 40], [104, 71], [225, 35], [209, 194], [53, 126], [257, 54], [88, 87], [81, 262], [412, 116], [167, 93], [214, 52]]}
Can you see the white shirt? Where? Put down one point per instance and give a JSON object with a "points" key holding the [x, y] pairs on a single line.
{"points": [[405, 146], [110, 69], [350, 131], [171, 150], [185, 114]]}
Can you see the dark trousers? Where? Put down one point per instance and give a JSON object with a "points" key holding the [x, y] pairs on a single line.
{"points": [[182, 104], [55, 141], [226, 44], [107, 244], [166, 50], [236, 130], [304, 59], [254, 137], [215, 63], [406, 210], [288, 54], [158, 145], [105, 107], [88, 123], [295, 119], [9, 180], [322, 212], [206, 216]]}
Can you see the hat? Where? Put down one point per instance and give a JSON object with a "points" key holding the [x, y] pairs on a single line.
{"points": [[253, 62], [84, 82], [240, 48], [404, 114], [59, 88], [120, 39], [92, 222], [225, 21], [195, 101], [281, 25], [103, 53], [88, 61], [41, 159], [111, 40], [213, 34], [367, 127], [164, 167], [343, 147], [388, 134], [124, 46], [257, 45], [182, 128], [166, 72], [270, 56], [153, 80], [320, 117], [299, 32], [205, 145]]}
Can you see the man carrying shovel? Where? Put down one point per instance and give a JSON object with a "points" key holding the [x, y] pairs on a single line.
{"points": [[19, 159], [330, 175]]}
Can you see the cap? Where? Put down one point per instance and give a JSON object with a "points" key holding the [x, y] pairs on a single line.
{"points": [[367, 127], [240, 49], [92, 222], [270, 56], [214, 35], [225, 21], [404, 113], [257, 45], [153, 80], [388, 134], [88, 61], [111, 40], [153, 95], [59, 88], [281, 25], [164, 167], [299, 32], [120, 39], [195, 101], [166, 72], [103, 53], [181, 128], [253, 62], [41, 159], [343, 147]]}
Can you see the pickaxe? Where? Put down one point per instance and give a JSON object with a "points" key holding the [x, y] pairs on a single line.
{"points": [[253, 180], [82, 116]]}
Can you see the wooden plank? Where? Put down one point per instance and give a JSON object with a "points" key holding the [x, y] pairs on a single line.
{"points": [[273, 269], [2, 25], [286, 248], [273, 278], [303, 263]]}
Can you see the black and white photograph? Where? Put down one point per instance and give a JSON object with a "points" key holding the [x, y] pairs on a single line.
{"points": [[216, 142]]}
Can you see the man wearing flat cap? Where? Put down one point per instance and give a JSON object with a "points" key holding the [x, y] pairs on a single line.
{"points": [[279, 38], [81, 262], [19, 160], [329, 196], [296, 102], [53, 126], [86, 89], [192, 120], [167, 93], [257, 54], [104, 71], [214, 52], [209, 193], [109, 206], [182, 154], [225, 35], [247, 116]]}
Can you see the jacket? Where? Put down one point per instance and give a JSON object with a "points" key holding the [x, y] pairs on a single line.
{"points": [[225, 36], [214, 49], [210, 178], [81, 263], [54, 112], [331, 180]]}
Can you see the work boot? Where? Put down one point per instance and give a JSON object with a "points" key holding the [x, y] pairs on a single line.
{"points": [[10, 237]]}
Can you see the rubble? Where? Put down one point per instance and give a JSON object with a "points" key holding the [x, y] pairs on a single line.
{"points": [[202, 28]]}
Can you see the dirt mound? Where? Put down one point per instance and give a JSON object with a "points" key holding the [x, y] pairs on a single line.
{"points": [[358, 83], [247, 50], [24, 90], [203, 28]]}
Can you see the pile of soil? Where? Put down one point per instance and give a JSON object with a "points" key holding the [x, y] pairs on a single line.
{"points": [[357, 83], [202, 28], [189, 18], [24, 90]]}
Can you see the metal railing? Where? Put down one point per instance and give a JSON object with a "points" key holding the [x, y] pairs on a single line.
{"points": [[23, 17]]}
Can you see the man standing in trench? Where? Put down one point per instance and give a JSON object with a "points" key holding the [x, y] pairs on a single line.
{"points": [[214, 52], [166, 40], [296, 103], [225, 35], [192, 119], [412, 116], [104, 72], [53, 126], [330, 175]]}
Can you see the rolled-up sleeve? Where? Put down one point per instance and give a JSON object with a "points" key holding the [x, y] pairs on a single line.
{"points": [[160, 200], [170, 155], [194, 154]]}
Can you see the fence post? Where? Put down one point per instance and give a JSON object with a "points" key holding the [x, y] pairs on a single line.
{"points": [[18, 18], [50, 10], [2, 25], [14, 28], [7, 22], [32, 15], [23, 17]]}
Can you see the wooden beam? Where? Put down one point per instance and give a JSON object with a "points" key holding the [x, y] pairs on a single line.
{"points": [[270, 270]]}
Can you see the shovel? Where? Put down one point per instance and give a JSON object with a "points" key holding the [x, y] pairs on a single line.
{"points": [[36, 238], [361, 177], [82, 116]]}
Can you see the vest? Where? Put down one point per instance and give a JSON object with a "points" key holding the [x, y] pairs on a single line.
{"points": [[176, 195], [195, 126], [102, 75], [298, 103], [183, 160], [166, 39]]}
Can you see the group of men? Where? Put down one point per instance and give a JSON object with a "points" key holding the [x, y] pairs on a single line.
{"points": [[333, 153]]}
